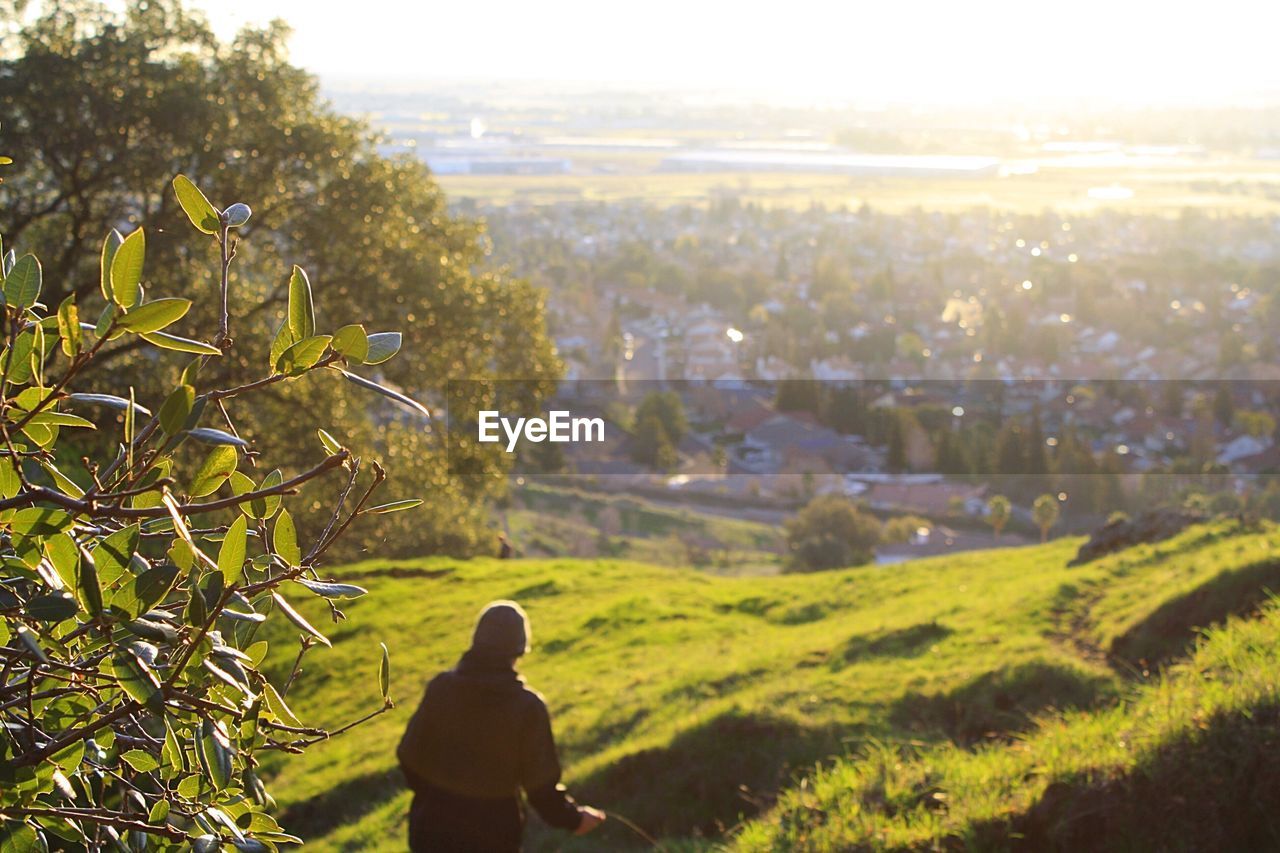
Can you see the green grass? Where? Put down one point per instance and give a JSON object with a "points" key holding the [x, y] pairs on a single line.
{"points": [[1187, 763], [690, 702]]}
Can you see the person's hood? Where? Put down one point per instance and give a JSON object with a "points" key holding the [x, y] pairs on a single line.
{"points": [[488, 672]]}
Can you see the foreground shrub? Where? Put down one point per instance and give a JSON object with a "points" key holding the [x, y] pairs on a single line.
{"points": [[132, 587]]}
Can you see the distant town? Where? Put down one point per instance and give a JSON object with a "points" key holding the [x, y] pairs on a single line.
{"points": [[852, 348]]}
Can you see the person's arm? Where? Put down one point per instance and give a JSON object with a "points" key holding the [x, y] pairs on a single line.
{"points": [[554, 805], [540, 777]]}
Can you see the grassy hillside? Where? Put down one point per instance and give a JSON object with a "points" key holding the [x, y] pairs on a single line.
{"points": [[1187, 763], [688, 702], [553, 521]]}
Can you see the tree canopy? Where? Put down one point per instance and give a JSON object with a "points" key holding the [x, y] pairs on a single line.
{"points": [[105, 107]]}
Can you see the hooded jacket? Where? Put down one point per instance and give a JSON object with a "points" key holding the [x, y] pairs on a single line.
{"points": [[480, 736]]}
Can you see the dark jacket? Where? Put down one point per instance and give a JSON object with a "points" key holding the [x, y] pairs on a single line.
{"points": [[478, 738]]}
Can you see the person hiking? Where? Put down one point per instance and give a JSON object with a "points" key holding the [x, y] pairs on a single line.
{"points": [[479, 737]]}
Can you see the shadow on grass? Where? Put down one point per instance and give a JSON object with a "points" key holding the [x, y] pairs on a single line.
{"points": [[1172, 628], [399, 572], [537, 590], [1215, 788], [1000, 703], [906, 642], [710, 777], [345, 803]]}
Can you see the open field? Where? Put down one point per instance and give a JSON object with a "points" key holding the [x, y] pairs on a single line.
{"points": [[1246, 187], [688, 702], [555, 521]]}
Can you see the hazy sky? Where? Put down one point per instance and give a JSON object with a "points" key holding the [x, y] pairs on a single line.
{"points": [[885, 49]]}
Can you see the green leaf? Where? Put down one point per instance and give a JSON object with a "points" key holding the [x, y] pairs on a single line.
{"points": [[105, 319], [63, 552], [384, 672], [114, 553], [154, 316], [395, 506], [352, 342], [174, 412], [203, 215], [285, 539], [88, 586], [302, 314], [330, 444], [52, 607], [257, 652], [214, 471], [382, 346], [277, 707], [40, 521], [126, 270], [146, 590], [48, 418], [69, 757], [22, 284], [137, 679], [28, 638], [9, 482], [109, 247], [192, 370], [214, 752], [164, 340], [283, 340], [297, 619], [408, 402], [232, 552], [196, 611], [261, 508], [159, 813], [182, 555], [18, 358], [61, 480], [277, 837], [19, 837], [140, 760], [69, 327], [300, 357]]}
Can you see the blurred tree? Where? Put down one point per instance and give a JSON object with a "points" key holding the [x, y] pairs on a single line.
{"points": [[667, 408], [830, 532], [651, 444], [998, 512], [107, 106], [1044, 512]]}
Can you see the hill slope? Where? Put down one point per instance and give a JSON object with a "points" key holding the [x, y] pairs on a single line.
{"points": [[687, 702], [1187, 764]]}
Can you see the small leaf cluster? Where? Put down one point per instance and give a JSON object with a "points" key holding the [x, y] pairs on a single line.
{"points": [[134, 707]]}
